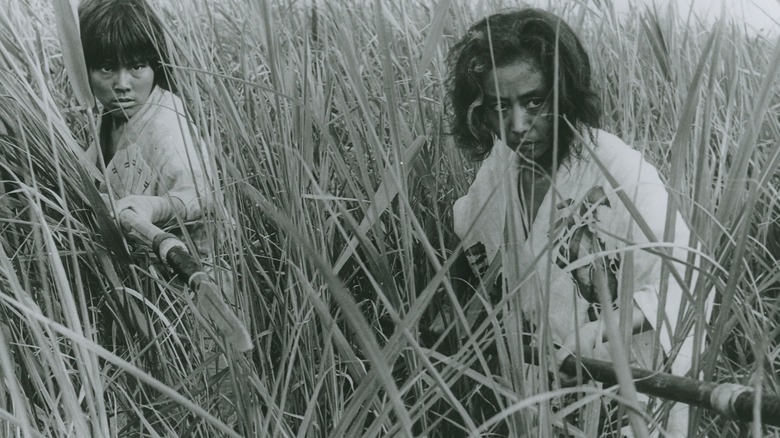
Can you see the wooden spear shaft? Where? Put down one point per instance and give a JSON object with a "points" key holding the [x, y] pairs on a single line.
{"points": [[728, 399]]}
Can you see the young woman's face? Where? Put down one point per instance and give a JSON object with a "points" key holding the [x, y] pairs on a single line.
{"points": [[122, 89], [516, 104]]}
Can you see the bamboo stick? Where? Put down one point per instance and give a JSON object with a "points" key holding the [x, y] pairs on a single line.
{"points": [[728, 399]]}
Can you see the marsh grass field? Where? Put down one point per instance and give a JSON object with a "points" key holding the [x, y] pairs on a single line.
{"points": [[328, 127]]}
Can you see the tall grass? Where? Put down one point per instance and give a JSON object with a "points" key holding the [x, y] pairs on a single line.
{"points": [[327, 124]]}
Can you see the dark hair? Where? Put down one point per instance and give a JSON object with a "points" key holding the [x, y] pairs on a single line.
{"points": [[512, 36], [115, 32]]}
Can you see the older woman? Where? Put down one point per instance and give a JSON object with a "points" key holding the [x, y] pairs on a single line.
{"points": [[566, 209]]}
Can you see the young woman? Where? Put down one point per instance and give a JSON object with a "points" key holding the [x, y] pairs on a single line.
{"points": [[547, 203], [153, 158], [156, 165]]}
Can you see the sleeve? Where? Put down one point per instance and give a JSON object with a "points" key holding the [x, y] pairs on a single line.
{"points": [[184, 167], [479, 216], [641, 184]]}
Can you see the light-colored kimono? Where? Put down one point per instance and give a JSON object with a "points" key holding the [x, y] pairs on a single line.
{"points": [[581, 223], [158, 153]]}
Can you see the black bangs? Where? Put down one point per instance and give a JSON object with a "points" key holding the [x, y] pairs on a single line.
{"points": [[123, 32], [118, 32]]}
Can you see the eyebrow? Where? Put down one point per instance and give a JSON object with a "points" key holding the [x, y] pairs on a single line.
{"points": [[539, 92]]}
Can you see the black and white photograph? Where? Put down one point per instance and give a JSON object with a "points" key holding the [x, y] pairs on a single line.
{"points": [[390, 218]]}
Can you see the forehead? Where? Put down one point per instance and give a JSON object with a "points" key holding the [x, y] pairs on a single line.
{"points": [[519, 78], [121, 60]]}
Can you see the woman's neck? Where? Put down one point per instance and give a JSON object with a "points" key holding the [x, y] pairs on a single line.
{"points": [[111, 130], [533, 185]]}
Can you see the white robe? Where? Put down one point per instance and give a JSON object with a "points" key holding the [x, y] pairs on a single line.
{"points": [[587, 218], [158, 153]]}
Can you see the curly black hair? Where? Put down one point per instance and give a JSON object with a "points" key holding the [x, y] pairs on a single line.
{"points": [[512, 36], [117, 32]]}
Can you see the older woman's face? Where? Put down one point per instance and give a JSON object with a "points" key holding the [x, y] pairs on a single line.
{"points": [[517, 107]]}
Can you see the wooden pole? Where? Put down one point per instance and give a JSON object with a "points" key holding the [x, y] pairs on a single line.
{"points": [[728, 399]]}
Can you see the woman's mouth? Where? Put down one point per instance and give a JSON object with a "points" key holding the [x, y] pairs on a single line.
{"points": [[524, 146], [123, 102]]}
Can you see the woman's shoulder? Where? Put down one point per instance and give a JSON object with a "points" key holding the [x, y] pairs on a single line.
{"points": [[609, 147], [164, 117], [614, 153], [163, 105], [621, 160]]}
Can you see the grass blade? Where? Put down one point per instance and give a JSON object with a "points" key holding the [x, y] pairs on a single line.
{"points": [[73, 56]]}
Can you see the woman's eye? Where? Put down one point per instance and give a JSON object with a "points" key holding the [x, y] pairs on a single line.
{"points": [[106, 69], [534, 104], [138, 67], [499, 106]]}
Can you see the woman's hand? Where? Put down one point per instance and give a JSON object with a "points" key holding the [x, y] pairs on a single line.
{"points": [[590, 337], [154, 209]]}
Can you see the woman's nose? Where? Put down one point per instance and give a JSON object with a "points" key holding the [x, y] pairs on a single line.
{"points": [[521, 120], [122, 80]]}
